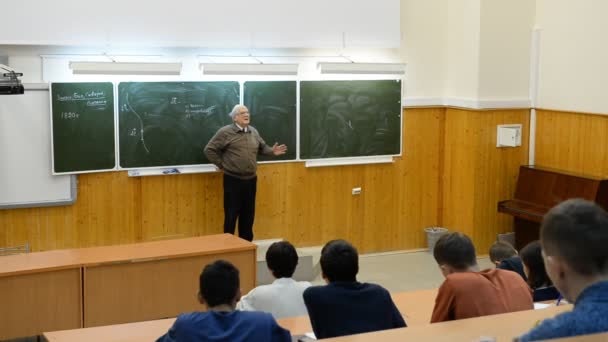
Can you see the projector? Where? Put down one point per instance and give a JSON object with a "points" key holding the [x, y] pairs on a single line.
{"points": [[10, 83], [11, 89]]}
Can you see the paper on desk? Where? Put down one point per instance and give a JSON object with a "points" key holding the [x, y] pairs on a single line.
{"points": [[311, 335], [538, 306]]}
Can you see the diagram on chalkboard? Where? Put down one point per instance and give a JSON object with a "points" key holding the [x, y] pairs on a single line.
{"points": [[169, 123], [133, 132]]}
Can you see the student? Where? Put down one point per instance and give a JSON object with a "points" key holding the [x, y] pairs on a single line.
{"points": [[537, 276], [574, 238], [345, 306], [466, 292], [282, 298], [219, 289], [505, 257]]}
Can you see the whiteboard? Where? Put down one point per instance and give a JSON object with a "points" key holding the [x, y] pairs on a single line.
{"points": [[25, 153]]}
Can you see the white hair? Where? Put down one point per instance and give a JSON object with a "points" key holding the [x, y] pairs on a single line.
{"points": [[236, 110]]}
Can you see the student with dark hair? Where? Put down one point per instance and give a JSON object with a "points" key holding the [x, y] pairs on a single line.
{"points": [[219, 289], [466, 292], [282, 298], [538, 279], [574, 239], [345, 306], [505, 257]]}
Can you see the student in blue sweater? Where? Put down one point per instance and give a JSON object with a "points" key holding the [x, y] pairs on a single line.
{"points": [[574, 238], [219, 290], [345, 306]]}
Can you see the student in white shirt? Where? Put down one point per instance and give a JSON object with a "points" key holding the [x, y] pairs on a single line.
{"points": [[282, 298]]}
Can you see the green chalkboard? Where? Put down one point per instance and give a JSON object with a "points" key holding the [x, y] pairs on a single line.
{"points": [[169, 123], [272, 105], [350, 118], [83, 127]]}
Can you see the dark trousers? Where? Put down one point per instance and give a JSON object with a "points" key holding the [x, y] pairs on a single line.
{"points": [[239, 202]]}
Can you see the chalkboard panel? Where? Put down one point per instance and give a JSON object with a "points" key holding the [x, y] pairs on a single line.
{"points": [[349, 118], [169, 123], [83, 127], [272, 105]]}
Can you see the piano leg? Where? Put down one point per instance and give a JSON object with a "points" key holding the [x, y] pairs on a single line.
{"points": [[525, 232]]}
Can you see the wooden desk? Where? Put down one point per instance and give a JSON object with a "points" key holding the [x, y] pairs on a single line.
{"points": [[153, 280], [585, 338], [415, 306], [69, 289], [39, 292], [505, 326]]}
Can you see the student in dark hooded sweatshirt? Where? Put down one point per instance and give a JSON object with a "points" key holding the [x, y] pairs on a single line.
{"points": [[505, 257]]}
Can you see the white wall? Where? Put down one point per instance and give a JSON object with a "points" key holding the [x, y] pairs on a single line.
{"points": [[196, 23], [573, 55], [504, 63], [463, 49], [424, 37]]}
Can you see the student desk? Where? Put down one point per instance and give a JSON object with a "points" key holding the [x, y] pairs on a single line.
{"points": [[603, 337], [504, 327], [68, 289], [416, 306], [38, 292], [152, 280]]}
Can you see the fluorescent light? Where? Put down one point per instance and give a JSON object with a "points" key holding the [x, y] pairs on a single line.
{"points": [[362, 68], [124, 68], [248, 69]]}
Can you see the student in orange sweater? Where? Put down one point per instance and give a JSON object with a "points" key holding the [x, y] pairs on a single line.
{"points": [[467, 292]]}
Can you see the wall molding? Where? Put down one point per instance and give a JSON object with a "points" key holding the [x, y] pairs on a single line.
{"points": [[465, 103]]}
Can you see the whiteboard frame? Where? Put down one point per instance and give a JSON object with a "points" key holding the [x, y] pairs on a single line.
{"points": [[73, 179]]}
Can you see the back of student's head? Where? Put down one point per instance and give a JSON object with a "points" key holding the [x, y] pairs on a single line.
{"points": [[455, 250], [282, 259], [501, 250], [532, 257], [577, 232], [219, 283], [339, 261]]}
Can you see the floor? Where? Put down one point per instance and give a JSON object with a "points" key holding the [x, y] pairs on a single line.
{"points": [[396, 271]]}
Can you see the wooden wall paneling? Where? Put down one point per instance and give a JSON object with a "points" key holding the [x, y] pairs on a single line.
{"points": [[478, 174], [423, 150], [576, 142], [106, 212], [308, 206]]}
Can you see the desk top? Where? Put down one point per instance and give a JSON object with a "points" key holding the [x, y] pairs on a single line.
{"points": [[416, 307], [145, 251], [158, 250], [585, 338], [503, 327], [38, 262]]}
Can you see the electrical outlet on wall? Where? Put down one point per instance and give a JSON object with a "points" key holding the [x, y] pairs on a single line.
{"points": [[357, 191]]}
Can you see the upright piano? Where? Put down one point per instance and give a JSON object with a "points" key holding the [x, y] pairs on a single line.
{"points": [[539, 189]]}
